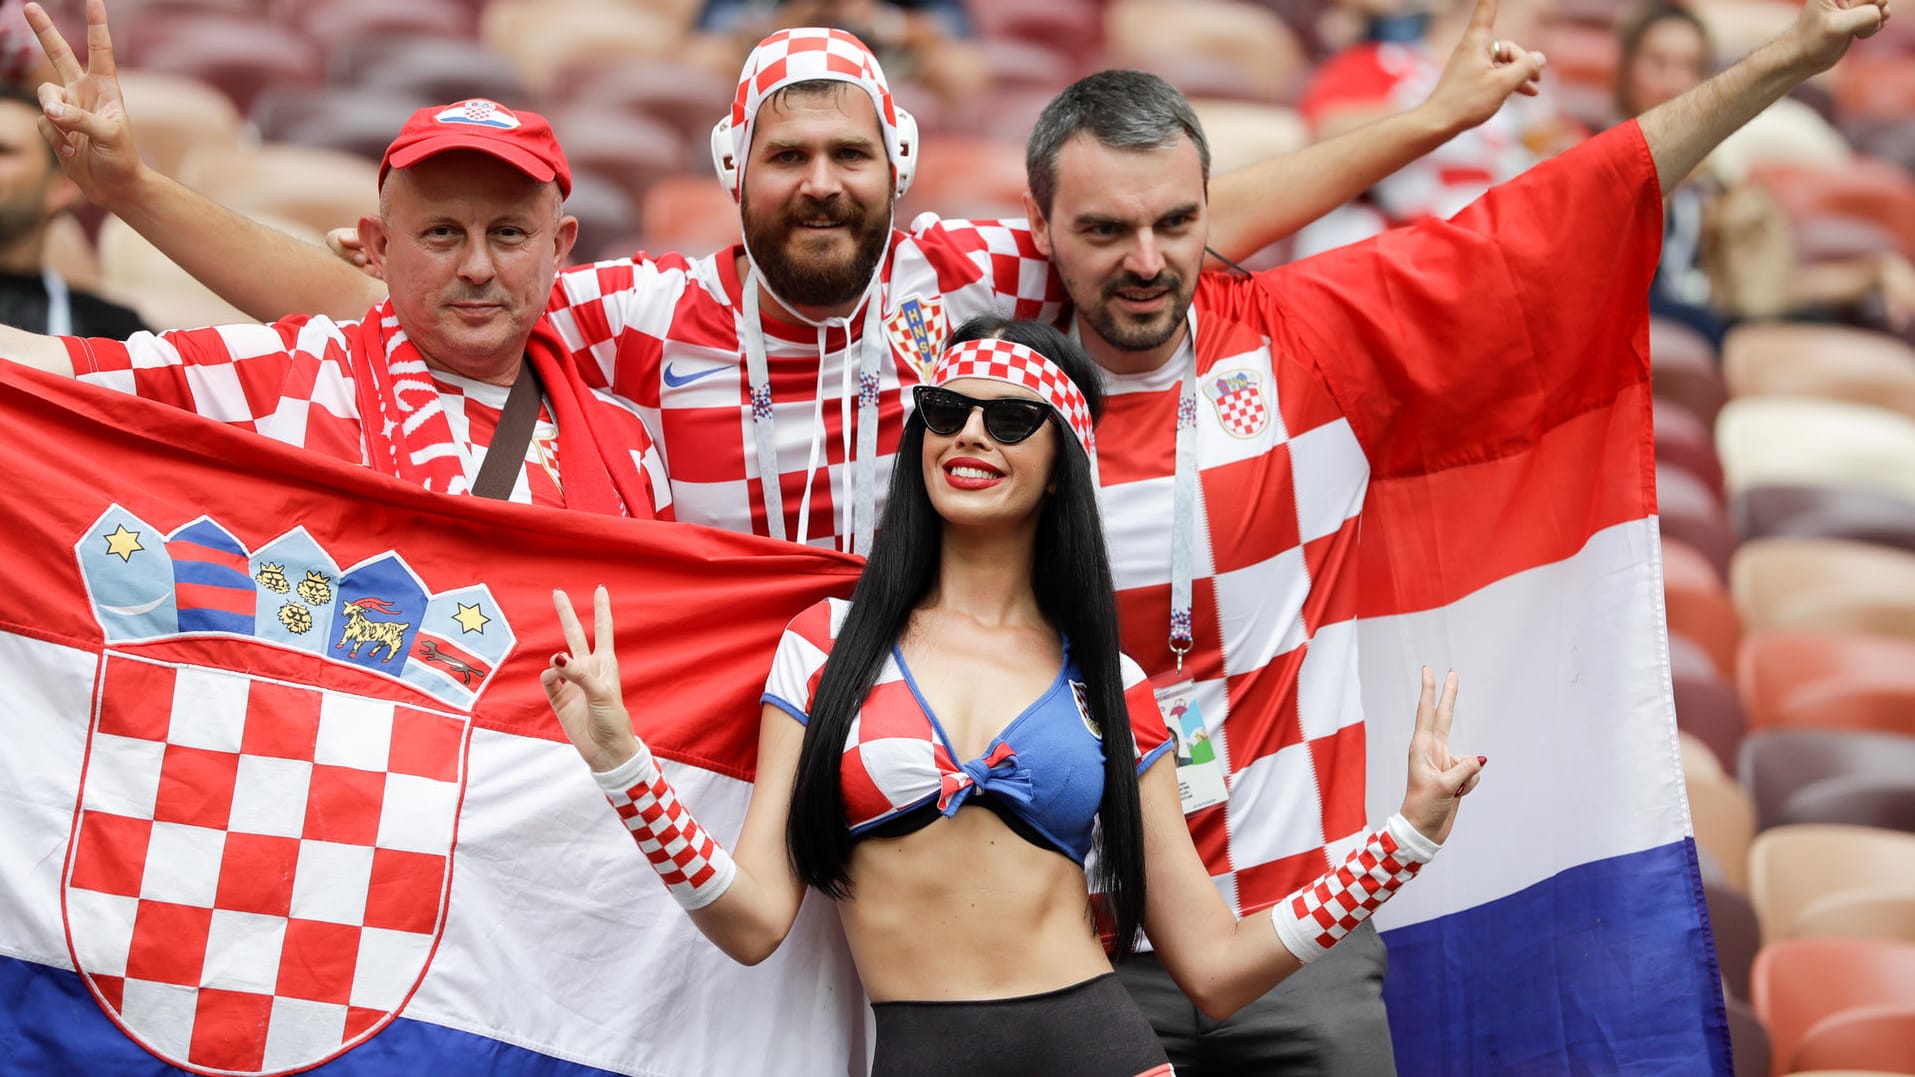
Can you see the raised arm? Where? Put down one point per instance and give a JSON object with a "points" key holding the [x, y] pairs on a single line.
{"points": [[1255, 206], [262, 271], [744, 900], [1682, 132], [1222, 963]]}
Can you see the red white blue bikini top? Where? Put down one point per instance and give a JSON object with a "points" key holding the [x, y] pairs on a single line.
{"points": [[1044, 774]]}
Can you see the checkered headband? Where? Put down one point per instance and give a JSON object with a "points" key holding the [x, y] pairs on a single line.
{"points": [[803, 54], [1014, 364]]}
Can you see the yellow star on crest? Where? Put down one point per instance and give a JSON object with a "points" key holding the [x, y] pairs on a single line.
{"points": [[470, 618], [122, 542]]}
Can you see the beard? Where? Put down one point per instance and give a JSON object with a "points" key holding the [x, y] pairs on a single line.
{"points": [[799, 268], [1130, 332]]}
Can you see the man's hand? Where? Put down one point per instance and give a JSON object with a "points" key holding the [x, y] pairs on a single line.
{"points": [[1824, 30], [84, 116], [1481, 73], [346, 245]]}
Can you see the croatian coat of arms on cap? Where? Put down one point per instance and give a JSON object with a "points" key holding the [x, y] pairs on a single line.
{"points": [[917, 330], [261, 854], [479, 112], [1238, 397]]}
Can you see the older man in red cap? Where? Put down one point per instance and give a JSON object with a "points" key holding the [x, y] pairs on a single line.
{"points": [[452, 382]]}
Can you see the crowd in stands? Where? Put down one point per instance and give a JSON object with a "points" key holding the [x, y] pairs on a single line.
{"points": [[1783, 347]]}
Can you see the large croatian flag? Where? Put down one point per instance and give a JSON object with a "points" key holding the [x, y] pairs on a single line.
{"points": [[279, 789]]}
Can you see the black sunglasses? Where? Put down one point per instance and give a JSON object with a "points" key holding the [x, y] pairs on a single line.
{"points": [[1008, 420]]}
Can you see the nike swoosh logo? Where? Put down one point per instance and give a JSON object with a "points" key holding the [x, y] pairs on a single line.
{"points": [[675, 380]]}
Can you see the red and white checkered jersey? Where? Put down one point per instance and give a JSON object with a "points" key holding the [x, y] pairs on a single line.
{"points": [[898, 758], [1393, 77], [1319, 383], [293, 381], [663, 332]]}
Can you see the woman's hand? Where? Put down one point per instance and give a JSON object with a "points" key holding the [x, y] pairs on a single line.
{"points": [[584, 689], [1438, 780]]}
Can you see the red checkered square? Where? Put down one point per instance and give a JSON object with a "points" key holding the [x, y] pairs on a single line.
{"points": [[425, 744], [360, 1020], [406, 891], [112, 991], [126, 709], [343, 804], [1263, 709], [169, 943], [256, 874], [317, 961], [196, 787], [1240, 537], [282, 721], [110, 856], [226, 1028], [1341, 761]]}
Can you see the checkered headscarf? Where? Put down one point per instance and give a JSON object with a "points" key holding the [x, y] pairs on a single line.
{"points": [[1014, 364], [801, 55]]}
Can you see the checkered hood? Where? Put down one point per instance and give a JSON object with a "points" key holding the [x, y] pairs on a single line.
{"points": [[1005, 361], [802, 55]]}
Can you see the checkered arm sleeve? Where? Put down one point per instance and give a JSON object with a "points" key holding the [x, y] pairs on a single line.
{"points": [[800, 660], [694, 867], [1321, 913], [997, 260], [615, 315], [239, 374]]}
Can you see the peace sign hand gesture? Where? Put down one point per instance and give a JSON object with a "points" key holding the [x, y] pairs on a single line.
{"points": [[84, 118], [584, 689], [1437, 779]]}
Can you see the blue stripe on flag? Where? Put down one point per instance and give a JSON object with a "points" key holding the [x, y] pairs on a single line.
{"points": [[49, 1023], [1485, 992]]}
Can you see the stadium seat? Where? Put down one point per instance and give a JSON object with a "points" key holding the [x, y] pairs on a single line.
{"points": [[1781, 672], [239, 56], [1683, 368], [1885, 803], [627, 147], [966, 176], [1823, 585], [350, 120], [1791, 867], [1233, 50], [1799, 983], [1691, 513], [1736, 27], [337, 22], [1708, 708], [1823, 512], [433, 69], [1833, 362], [1028, 65], [1879, 1038], [1244, 132], [175, 114], [1724, 824], [1073, 26], [688, 99], [1684, 440], [1698, 759], [688, 213], [540, 38], [1795, 440], [604, 211], [1748, 1040], [319, 188], [1866, 189], [1863, 913], [1737, 935], [1875, 84], [1775, 763]]}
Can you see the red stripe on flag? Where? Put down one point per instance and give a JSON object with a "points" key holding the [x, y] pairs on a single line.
{"points": [[200, 596], [186, 550]]}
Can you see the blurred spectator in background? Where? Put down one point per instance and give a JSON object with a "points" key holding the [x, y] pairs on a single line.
{"points": [[1396, 67], [1727, 251], [34, 193], [922, 41]]}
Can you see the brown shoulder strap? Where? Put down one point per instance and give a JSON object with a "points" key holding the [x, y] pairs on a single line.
{"points": [[506, 455]]}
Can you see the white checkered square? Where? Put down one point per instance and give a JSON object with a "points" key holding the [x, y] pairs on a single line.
{"points": [[123, 775], [242, 952], [331, 882], [1273, 807], [1329, 692], [417, 813], [182, 864], [101, 927], [1260, 610], [1331, 475], [219, 394], [162, 1012], [388, 966], [1137, 530], [302, 1031], [908, 764], [209, 709], [269, 796], [354, 731]]}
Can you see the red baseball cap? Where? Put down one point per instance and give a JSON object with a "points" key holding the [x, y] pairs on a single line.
{"points": [[523, 140]]}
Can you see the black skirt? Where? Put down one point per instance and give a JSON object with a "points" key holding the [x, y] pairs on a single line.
{"points": [[1090, 1029]]}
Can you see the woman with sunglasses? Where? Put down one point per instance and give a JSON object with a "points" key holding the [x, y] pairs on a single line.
{"points": [[943, 754]]}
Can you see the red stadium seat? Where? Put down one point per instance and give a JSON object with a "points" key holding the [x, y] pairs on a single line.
{"points": [[1829, 361], [1798, 983], [688, 213], [338, 22], [967, 177], [1781, 672], [1824, 585], [628, 148], [689, 99], [239, 56], [1880, 1038], [432, 69]]}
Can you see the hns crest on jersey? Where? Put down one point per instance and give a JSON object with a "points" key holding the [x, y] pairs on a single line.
{"points": [[1238, 397], [261, 854], [917, 331], [479, 112]]}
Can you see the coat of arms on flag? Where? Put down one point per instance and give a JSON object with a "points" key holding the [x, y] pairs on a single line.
{"points": [[261, 853], [917, 331], [1238, 398]]}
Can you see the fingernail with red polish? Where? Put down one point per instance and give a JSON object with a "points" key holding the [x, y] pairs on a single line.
{"points": [[559, 660], [1482, 760]]}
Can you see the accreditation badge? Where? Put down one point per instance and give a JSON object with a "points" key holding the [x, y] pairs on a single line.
{"points": [[1200, 781]]}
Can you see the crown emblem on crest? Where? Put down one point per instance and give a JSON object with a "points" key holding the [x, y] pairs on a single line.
{"points": [[146, 584]]}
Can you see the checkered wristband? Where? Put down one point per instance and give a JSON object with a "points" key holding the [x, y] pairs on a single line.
{"points": [[1315, 917], [696, 869]]}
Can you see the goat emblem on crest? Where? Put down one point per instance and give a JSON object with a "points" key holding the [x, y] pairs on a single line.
{"points": [[361, 629]]}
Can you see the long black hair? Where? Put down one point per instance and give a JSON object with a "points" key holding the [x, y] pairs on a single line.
{"points": [[1072, 580]]}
